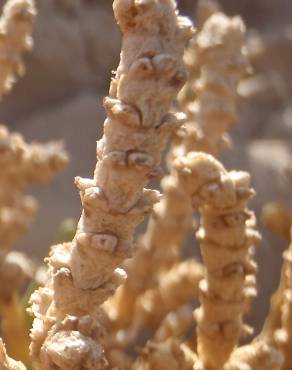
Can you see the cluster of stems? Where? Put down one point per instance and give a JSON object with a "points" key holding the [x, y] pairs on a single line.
{"points": [[67, 331], [205, 129], [91, 311]]}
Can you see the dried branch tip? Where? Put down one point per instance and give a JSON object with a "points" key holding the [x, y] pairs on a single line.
{"points": [[15, 38]]}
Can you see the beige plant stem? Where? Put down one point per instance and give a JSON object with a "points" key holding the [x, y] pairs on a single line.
{"points": [[16, 25], [85, 272], [214, 111], [256, 356], [271, 348], [21, 165], [273, 320], [175, 324], [227, 237], [205, 130], [205, 9], [172, 218], [14, 329], [6, 363], [188, 94], [273, 345], [165, 355], [283, 336], [277, 218], [175, 288]]}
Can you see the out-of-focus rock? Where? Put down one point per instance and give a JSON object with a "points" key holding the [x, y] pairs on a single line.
{"points": [[267, 161], [260, 13]]}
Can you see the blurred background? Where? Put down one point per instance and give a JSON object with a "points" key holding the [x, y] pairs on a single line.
{"points": [[76, 46]]}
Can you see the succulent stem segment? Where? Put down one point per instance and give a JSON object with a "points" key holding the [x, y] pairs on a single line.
{"points": [[256, 356], [169, 223], [210, 96], [67, 333], [16, 25], [221, 39], [7, 363], [175, 289], [14, 328], [21, 164], [283, 336], [227, 238]]}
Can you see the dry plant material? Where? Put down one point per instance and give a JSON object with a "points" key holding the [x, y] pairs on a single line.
{"points": [[119, 359], [227, 238], [7, 363], [173, 215], [219, 49], [208, 118], [165, 355], [171, 220], [277, 218], [21, 164], [69, 330], [256, 356], [271, 349], [175, 324], [14, 328], [283, 336], [205, 9], [85, 272], [16, 25], [175, 288]]}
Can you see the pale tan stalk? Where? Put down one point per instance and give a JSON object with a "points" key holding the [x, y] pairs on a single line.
{"points": [[175, 288], [7, 363], [175, 324], [207, 122], [158, 250], [165, 355], [283, 336], [271, 348], [16, 25], [205, 9], [67, 333], [21, 165], [227, 237], [14, 328], [188, 94], [256, 356], [18, 162], [219, 49], [273, 320], [277, 218]]}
